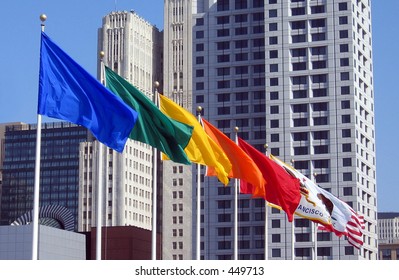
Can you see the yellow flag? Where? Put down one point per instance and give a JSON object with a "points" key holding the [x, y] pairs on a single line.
{"points": [[201, 148]]}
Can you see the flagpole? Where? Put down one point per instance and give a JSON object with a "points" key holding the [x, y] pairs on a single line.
{"points": [[236, 187], [36, 189], [100, 178], [198, 250], [266, 221], [315, 229], [154, 189], [293, 228]]}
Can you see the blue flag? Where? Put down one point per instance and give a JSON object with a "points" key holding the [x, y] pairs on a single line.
{"points": [[70, 93]]}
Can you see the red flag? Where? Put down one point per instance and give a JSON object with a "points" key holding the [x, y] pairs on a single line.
{"points": [[243, 166], [282, 189]]}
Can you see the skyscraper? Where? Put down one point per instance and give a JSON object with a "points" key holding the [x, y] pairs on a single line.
{"points": [[298, 76], [59, 177], [132, 47]]}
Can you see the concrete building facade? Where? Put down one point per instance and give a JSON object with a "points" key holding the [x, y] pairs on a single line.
{"points": [[298, 76]]}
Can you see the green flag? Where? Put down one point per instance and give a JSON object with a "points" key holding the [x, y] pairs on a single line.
{"points": [[152, 127]]}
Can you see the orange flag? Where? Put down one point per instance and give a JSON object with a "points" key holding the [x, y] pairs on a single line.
{"points": [[243, 167]]}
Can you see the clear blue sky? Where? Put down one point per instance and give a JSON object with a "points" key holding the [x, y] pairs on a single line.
{"points": [[73, 26]]}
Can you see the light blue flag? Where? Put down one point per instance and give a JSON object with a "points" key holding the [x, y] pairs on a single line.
{"points": [[70, 93]]}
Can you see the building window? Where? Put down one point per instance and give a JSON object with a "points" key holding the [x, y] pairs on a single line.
{"points": [[199, 47], [347, 176], [223, 58], [241, 44], [346, 118], [199, 34], [344, 62], [302, 93], [346, 133], [298, 11], [274, 109], [324, 251], [273, 54], [299, 122], [274, 95], [273, 13], [318, 36], [343, 34], [345, 90], [241, 18], [273, 40], [343, 48], [345, 104], [298, 66], [347, 147], [342, 6], [240, 4], [276, 238], [318, 50], [241, 83], [273, 26], [348, 191], [298, 52], [298, 38], [274, 137], [319, 64], [241, 56], [345, 76], [275, 223], [223, 45], [223, 71], [317, 23], [241, 31], [320, 120], [273, 68], [274, 123], [320, 149], [223, 5], [276, 253], [300, 24], [317, 9], [223, 84], [222, 19], [301, 151], [273, 82], [302, 252], [349, 250], [320, 106], [319, 92], [346, 162], [343, 20], [199, 73], [223, 110]]}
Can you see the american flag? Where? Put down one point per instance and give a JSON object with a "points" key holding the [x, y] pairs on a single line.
{"points": [[345, 221]]}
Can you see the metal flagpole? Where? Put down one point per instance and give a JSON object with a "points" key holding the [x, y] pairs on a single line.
{"points": [[36, 189], [236, 191], [100, 178], [198, 250], [315, 225], [154, 189], [266, 221], [293, 229]]}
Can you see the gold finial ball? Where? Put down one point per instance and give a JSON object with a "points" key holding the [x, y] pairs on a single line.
{"points": [[156, 84], [102, 54], [199, 109], [315, 174], [236, 129], [266, 146], [43, 17]]}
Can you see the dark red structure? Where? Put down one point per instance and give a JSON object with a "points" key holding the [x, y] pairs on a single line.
{"points": [[122, 243]]}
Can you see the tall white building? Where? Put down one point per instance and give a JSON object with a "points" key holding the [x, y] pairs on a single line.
{"points": [[297, 75], [133, 49], [388, 228]]}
